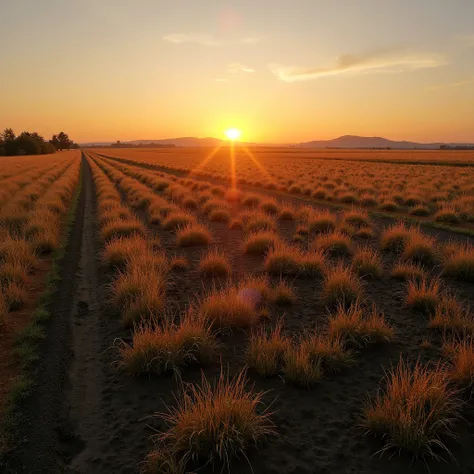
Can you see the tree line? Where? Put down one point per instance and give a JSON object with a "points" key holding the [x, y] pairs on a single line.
{"points": [[31, 143]]}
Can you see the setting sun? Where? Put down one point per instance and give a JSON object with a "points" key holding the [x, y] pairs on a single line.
{"points": [[233, 133]]}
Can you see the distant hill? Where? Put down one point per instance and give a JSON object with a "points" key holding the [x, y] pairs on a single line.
{"points": [[346, 141], [354, 141]]}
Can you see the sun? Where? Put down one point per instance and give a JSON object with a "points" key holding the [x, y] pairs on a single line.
{"points": [[233, 133]]}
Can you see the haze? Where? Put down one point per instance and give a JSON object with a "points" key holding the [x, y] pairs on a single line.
{"points": [[281, 71]]}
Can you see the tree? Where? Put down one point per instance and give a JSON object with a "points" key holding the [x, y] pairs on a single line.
{"points": [[8, 135], [64, 141]]}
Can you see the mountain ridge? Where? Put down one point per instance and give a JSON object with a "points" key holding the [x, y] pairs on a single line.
{"points": [[344, 141]]}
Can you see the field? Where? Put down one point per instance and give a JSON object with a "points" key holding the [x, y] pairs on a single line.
{"points": [[243, 310]]}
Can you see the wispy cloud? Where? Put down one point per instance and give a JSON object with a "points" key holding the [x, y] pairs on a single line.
{"points": [[388, 61], [452, 85], [206, 39], [236, 68]]}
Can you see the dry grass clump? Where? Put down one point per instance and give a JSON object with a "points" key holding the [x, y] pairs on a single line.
{"points": [[193, 234], [283, 294], [341, 286], [414, 410], [219, 215], [177, 219], [459, 263], [420, 248], [215, 264], [367, 262], [216, 422], [270, 206], [122, 228], [284, 259], [18, 250], [251, 200], [408, 271], [451, 316], [266, 350], [299, 368], [423, 295], [395, 237], [447, 214], [231, 307], [119, 250], [260, 242], [460, 353], [139, 290], [320, 221], [331, 350], [334, 243], [356, 218], [359, 326], [159, 347], [257, 221]]}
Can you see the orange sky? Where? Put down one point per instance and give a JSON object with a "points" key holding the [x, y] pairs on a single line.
{"points": [[300, 70]]}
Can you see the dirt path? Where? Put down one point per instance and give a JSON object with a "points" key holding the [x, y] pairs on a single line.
{"points": [[86, 375], [41, 428]]}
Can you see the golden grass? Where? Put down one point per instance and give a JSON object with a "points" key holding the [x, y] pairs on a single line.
{"points": [[260, 242], [176, 219], [414, 411], [460, 353], [359, 326], [334, 243], [215, 264], [216, 422], [330, 349], [450, 315], [367, 262], [408, 271], [283, 294], [119, 250], [395, 237], [266, 350], [459, 263], [193, 234], [299, 368], [341, 286], [230, 308], [158, 347], [423, 295]]}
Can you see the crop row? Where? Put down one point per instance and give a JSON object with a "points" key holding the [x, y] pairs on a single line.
{"points": [[344, 252]]}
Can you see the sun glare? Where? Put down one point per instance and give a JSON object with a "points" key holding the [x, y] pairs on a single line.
{"points": [[233, 134]]}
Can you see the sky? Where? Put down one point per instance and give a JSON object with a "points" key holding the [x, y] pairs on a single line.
{"points": [[279, 70]]}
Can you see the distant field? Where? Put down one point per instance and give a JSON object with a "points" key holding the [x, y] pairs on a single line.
{"points": [[448, 157], [428, 190]]}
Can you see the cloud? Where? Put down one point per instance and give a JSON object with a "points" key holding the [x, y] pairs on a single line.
{"points": [[206, 39], [388, 61], [236, 68], [452, 85], [221, 79]]}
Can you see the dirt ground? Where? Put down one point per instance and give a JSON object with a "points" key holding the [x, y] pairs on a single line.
{"points": [[86, 416]]}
